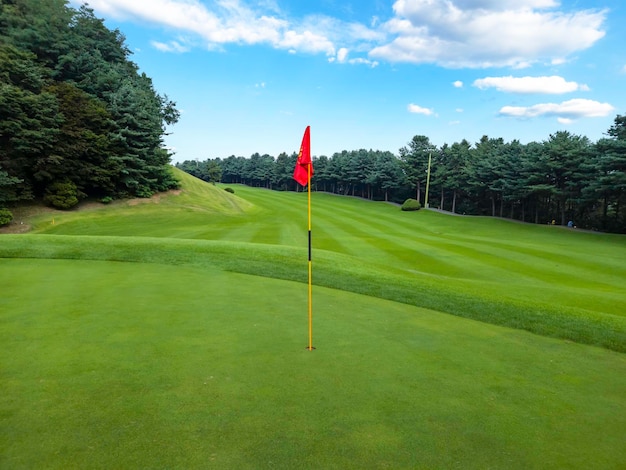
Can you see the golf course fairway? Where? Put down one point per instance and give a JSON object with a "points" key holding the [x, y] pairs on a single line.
{"points": [[171, 333]]}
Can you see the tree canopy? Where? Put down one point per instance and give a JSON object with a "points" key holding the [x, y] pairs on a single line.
{"points": [[74, 110]]}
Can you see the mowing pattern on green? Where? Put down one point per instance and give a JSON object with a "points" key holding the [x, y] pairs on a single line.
{"points": [[548, 280]]}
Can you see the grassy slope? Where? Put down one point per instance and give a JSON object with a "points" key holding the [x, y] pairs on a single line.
{"points": [[177, 213], [544, 279]]}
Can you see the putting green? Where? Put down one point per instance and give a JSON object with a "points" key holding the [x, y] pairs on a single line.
{"points": [[108, 364]]}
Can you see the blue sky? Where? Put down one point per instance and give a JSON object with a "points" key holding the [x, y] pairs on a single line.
{"points": [[250, 76]]}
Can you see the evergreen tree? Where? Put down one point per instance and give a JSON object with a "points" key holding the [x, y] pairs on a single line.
{"points": [[565, 154], [609, 185], [73, 107], [415, 161]]}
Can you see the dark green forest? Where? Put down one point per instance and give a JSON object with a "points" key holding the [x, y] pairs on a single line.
{"points": [[561, 179], [77, 119]]}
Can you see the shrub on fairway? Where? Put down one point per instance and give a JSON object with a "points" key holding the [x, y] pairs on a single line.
{"points": [[411, 205], [229, 190], [62, 195], [5, 216]]}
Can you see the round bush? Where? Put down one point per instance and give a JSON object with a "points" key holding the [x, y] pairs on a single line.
{"points": [[5, 216], [230, 190], [62, 195], [411, 205]]}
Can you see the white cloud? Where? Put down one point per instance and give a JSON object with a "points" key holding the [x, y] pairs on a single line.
{"points": [[172, 46], [458, 84], [342, 54], [416, 109], [244, 22], [306, 41], [459, 110], [485, 33], [508, 4], [360, 60], [523, 64], [563, 120], [452, 33], [229, 21], [548, 85], [342, 58], [571, 109]]}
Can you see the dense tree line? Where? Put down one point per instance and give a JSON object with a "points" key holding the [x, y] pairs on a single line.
{"points": [[564, 178], [77, 119]]}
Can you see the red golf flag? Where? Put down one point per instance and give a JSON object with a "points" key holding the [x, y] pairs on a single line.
{"points": [[300, 173]]}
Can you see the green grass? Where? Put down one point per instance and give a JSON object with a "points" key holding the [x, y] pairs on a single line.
{"points": [[340, 272], [548, 280], [171, 333], [140, 365]]}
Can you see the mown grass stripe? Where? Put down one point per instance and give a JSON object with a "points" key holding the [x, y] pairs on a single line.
{"points": [[336, 271], [460, 258]]}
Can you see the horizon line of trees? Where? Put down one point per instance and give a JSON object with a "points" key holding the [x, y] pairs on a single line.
{"points": [[77, 119], [564, 178]]}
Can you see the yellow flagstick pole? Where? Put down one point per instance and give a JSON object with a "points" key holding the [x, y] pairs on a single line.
{"points": [[310, 264], [427, 182]]}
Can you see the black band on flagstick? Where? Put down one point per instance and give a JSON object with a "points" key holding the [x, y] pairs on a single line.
{"points": [[310, 346]]}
